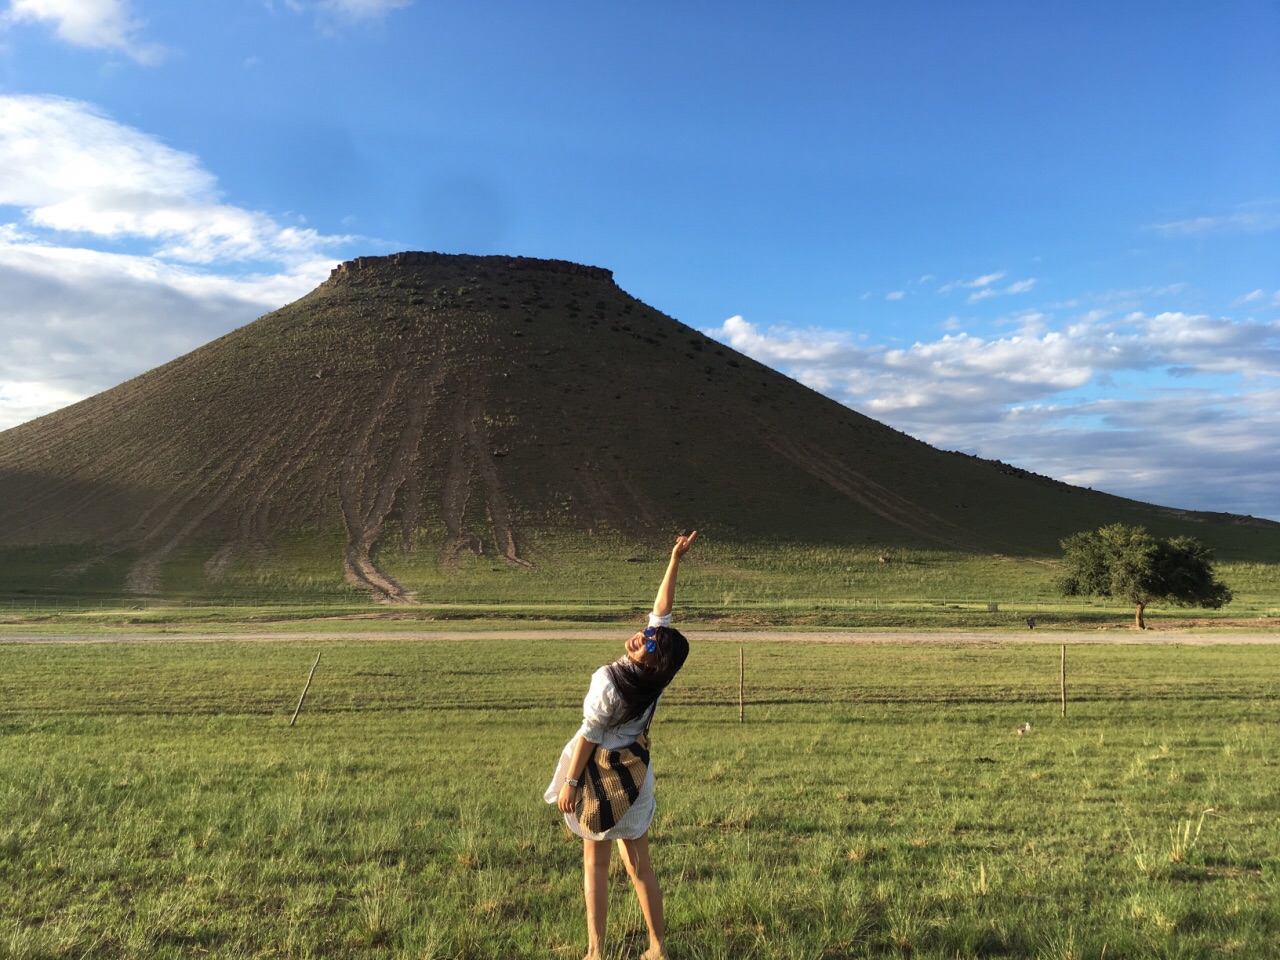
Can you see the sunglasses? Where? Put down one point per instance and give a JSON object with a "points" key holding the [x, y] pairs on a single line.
{"points": [[650, 643]]}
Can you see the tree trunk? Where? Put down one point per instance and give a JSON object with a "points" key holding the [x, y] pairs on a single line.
{"points": [[1137, 617]]}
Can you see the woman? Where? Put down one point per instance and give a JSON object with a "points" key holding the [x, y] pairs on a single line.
{"points": [[617, 709]]}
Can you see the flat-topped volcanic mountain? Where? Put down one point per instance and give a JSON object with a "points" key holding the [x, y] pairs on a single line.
{"points": [[462, 406]]}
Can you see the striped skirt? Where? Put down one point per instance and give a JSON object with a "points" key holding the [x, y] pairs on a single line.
{"points": [[632, 824]]}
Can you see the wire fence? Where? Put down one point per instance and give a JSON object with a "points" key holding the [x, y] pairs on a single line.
{"points": [[1003, 609]]}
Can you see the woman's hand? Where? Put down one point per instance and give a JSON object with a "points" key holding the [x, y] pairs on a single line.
{"points": [[568, 798], [683, 544]]}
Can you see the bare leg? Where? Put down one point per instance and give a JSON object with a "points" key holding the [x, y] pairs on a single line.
{"points": [[635, 854], [595, 884]]}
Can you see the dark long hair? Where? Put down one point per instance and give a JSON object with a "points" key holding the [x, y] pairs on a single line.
{"points": [[640, 684]]}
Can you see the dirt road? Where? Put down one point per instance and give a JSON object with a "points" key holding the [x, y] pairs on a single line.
{"points": [[520, 633]]}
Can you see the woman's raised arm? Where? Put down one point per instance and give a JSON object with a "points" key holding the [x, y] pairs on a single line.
{"points": [[667, 589]]}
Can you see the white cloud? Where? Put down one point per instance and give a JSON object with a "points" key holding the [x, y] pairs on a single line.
{"points": [[24, 400], [1087, 400], [895, 295], [1256, 218], [363, 9], [348, 10], [984, 287], [71, 169], [986, 292], [84, 309], [79, 321], [96, 24], [1194, 449], [983, 281]]}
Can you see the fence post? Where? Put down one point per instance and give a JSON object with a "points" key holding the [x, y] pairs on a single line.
{"points": [[298, 709], [1064, 679], [742, 683]]}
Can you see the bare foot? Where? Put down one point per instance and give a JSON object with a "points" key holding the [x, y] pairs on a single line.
{"points": [[655, 953]]}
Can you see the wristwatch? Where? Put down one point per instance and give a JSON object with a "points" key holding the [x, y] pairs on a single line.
{"points": [[573, 783]]}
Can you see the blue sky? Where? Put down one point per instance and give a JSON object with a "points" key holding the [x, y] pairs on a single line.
{"points": [[1047, 236]]}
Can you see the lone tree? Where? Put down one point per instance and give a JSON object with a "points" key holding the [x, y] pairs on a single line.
{"points": [[1127, 563]]}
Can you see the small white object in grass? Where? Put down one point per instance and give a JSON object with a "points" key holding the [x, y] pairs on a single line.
{"points": [[1025, 728]]}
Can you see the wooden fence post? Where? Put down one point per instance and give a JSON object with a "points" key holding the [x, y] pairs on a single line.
{"points": [[742, 683], [298, 709], [1064, 679]]}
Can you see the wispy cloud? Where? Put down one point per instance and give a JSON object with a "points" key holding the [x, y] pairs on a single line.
{"points": [[348, 10], [977, 283], [985, 287], [1090, 399], [95, 24], [1260, 297], [363, 9], [1258, 218], [123, 255]]}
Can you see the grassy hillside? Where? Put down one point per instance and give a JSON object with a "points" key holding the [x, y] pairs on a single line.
{"points": [[425, 422]]}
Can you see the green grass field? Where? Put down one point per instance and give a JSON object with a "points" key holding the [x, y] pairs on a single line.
{"points": [[769, 583], [779, 586], [877, 802]]}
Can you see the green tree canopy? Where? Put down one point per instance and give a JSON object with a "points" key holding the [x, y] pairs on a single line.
{"points": [[1127, 563]]}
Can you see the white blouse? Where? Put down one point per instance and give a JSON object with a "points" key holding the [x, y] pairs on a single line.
{"points": [[601, 708]]}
